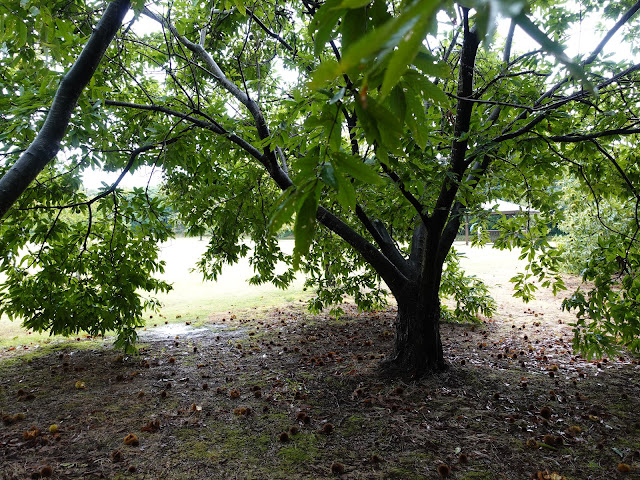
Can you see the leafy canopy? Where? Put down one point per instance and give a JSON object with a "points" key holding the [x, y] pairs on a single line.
{"points": [[271, 115]]}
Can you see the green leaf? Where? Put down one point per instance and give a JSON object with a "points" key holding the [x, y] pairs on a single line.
{"points": [[323, 23], [407, 50], [326, 71], [416, 116], [386, 124], [240, 5], [138, 5], [355, 167], [307, 165], [75, 139], [284, 211], [338, 96], [427, 87], [368, 123], [398, 103], [378, 13], [304, 228], [346, 193], [379, 42], [429, 66], [354, 3], [21, 27], [353, 26], [328, 176]]}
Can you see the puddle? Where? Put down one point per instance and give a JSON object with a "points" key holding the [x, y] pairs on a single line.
{"points": [[173, 330]]}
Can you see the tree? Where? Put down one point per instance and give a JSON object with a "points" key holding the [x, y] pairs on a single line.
{"points": [[396, 124]]}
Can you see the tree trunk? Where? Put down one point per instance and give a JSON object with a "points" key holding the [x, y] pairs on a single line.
{"points": [[47, 143], [418, 348]]}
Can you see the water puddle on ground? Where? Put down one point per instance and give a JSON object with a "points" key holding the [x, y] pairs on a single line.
{"points": [[173, 330]]}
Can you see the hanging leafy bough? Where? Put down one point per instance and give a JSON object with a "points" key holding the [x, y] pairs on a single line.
{"points": [[396, 126]]}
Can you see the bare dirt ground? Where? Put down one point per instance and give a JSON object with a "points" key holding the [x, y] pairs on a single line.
{"points": [[287, 395]]}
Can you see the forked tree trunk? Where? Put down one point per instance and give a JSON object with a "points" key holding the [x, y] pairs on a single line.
{"points": [[418, 347]]}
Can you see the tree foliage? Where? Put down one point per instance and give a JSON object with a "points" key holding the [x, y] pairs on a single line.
{"points": [[372, 127]]}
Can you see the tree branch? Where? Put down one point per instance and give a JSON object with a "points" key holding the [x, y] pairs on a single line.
{"points": [[546, 109], [208, 125], [506, 55], [557, 86], [461, 128], [273, 35], [574, 137], [200, 51], [383, 265], [389, 272], [618, 168], [453, 225], [624, 19], [132, 157], [47, 143], [382, 238], [492, 102], [255, 111], [419, 208], [377, 259]]}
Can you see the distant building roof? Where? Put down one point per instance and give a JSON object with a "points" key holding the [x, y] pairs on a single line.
{"points": [[507, 208]]}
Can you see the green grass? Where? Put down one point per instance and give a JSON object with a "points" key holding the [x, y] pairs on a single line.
{"points": [[12, 333], [191, 299], [196, 301]]}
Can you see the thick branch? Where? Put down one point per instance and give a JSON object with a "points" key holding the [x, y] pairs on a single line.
{"points": [[383, 265], [392, 276], [453, 225], [382, 238], [47, 144], [506, 54], [429, 267], [461, 129], [388, 271]]}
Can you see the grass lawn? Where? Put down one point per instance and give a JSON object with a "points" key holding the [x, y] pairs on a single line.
{"points": [[192, 299], [197, 301]]}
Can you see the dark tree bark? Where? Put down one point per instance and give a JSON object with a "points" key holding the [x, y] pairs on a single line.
{"points": [[47, 144], [418, 347]]}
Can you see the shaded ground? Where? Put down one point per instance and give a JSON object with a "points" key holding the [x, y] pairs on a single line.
{"points": [[292, 396]]}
